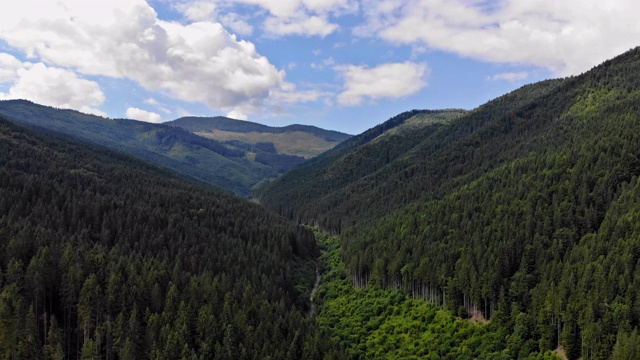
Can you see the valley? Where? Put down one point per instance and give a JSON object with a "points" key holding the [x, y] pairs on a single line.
{"points": [[504, 232], [247, 156]]}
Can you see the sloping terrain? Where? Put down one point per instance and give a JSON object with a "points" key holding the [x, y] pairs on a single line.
{"points": [[524, 210], [233, 166], [294, 140], [325, 180], [104, 256]]}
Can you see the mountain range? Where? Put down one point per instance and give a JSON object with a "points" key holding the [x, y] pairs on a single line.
{"points": [[507, 231], [245, 157]]}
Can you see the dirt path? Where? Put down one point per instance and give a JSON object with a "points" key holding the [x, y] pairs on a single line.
{"points": [[314, 290]]}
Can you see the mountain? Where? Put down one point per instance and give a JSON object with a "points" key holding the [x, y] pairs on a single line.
{"points": [[105, 256], [326, 178], [235, 167], [293, 140], [523, 211]]}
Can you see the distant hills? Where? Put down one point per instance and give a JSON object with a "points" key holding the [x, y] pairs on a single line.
{"points": [[234, 164], [524, 210], [295, 140]]}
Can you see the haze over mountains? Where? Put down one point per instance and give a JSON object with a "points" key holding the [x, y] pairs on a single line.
{"points": [[245, 156], [295, 140], [521, 214]]}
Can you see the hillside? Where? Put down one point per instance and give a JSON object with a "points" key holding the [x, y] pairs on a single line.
{"points": [[523, 210], [233, 166], [103, 256], [294, 140], [325, 179]]}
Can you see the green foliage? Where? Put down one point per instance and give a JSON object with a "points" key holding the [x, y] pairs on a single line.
{"points": [[524, 210], [103, 256], [322, 184], [373, 323]]}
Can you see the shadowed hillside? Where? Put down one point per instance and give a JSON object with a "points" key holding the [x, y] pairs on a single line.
{"points": [[103, 256]]}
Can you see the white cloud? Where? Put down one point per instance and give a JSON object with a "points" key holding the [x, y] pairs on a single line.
{"points": [[237, 114], [510, 76], [392, 80], [290, 17], [566, 37], [320, 66], [303, 25], [157, 105], [197, 10], [55, 87], [198, 62], [237, 24], [9, 66], [143, 115]]}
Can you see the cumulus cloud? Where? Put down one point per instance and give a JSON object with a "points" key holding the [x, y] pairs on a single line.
{"points": [[284, 17], [197, 10], [9, 66], [566, 37], [198, 62], [237, 24], [55, 87], [237, 114], [143, 115], [392, 80], [510, 76]]}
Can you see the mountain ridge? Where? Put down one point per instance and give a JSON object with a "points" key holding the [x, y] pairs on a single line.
{"points": [[233, 166], [293, 140], [520, 209]]}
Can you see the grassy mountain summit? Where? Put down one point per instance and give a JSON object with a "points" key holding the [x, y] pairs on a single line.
{"points": [[296, 140], [522, 210], [233, 165]]}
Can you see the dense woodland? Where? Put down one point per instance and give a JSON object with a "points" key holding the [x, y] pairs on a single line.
{"points": [[521, 215], [374, 323], [525, 210], [102, 256]]}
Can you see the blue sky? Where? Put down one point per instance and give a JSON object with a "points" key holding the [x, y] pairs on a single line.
{"points": [[345, 65]]}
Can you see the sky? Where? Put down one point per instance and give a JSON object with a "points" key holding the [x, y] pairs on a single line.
{"points": [[343, 65]]}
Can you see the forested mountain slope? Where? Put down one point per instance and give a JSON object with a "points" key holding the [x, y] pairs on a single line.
{"points": [[324, 180], [234, 166], [525, 209], [102, 256], [293, 140]]}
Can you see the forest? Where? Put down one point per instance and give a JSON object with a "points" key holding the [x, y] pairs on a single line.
{"points": [[523, 210], [508, 231], [104, 256], [374, 323]]}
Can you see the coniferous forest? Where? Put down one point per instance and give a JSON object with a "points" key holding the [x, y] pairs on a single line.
{"points": [[508, 231], [103, 256], [524, 211]]}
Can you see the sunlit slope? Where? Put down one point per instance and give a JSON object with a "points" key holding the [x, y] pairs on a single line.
{"points": [[523, 209], [295, 140]]}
